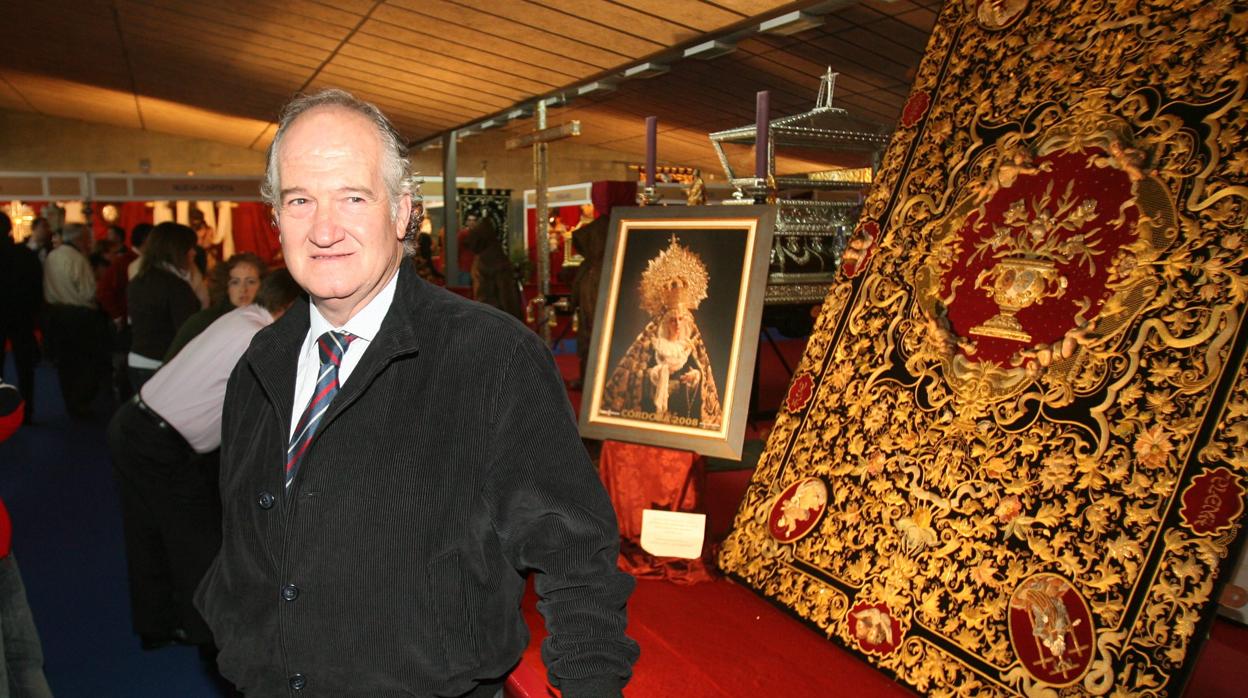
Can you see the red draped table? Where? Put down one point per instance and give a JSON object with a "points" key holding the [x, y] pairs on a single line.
{"points": [[649, 477]]}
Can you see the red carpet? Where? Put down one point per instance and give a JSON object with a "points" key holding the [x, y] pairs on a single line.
{"points": [[720, 640]]}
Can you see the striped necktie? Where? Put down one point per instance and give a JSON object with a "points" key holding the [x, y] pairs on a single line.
{"points": [[331, 346]]}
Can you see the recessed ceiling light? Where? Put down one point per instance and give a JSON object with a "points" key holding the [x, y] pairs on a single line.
{"points": [[646, 70], [710, 49], [596, 87], [790, 23]]}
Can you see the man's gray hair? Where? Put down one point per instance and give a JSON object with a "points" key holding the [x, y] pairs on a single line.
{"points": [[72, 233], [395, 166]]}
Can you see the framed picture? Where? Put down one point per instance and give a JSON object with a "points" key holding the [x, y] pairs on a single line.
{"points": [[677, 327]]}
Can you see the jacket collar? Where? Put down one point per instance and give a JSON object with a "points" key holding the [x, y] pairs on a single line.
{"points": [[274, 354]]}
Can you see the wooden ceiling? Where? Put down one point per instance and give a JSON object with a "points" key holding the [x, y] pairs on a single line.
{"points": [[221, 70]]}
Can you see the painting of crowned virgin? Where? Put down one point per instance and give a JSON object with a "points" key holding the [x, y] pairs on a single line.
{"points": [[681, 301]]}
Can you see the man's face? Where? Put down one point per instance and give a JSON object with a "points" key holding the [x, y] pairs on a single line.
{"points": [[41, 232], [338, 237]]}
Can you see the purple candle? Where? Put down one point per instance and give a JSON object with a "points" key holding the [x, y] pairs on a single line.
{"points": [[652, 127], [762, 110]]}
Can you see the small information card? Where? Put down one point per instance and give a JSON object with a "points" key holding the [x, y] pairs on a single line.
{"points": [[672, 533]]}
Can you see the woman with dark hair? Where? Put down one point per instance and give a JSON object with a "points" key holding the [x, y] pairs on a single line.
{"points": [[160, 298], [233, 285]]}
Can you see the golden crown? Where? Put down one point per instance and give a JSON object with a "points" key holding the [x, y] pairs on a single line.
{"points": [[675, 278]]}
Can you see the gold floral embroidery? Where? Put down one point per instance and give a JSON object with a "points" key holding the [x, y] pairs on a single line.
{"points": [[953, 479]]}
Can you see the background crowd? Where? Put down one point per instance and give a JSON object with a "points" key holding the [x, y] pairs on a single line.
{"points": [[143, 329]]}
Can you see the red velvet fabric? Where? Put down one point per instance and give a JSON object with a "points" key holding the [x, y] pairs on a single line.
{"points": [[254, 232], [608, 195], [649, 477], [1050, 319], [717, 640]]}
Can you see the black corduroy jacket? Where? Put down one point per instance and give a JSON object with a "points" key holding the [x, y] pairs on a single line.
{"points": [[447, 467]]}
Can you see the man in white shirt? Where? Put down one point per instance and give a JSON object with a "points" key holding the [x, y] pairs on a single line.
{"points": [[165, 445], [67, 276], [77, 332]]}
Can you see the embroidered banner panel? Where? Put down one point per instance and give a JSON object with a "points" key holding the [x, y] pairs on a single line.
{"points": [[1012, 460]]}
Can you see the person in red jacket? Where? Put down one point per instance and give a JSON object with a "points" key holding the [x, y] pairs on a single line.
{"points": [[21, 668]]}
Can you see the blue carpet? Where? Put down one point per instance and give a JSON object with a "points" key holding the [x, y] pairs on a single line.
{"points": [[56, 480]]}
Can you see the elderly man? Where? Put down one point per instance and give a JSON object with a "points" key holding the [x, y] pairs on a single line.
{"points": [[77, 330], [395, 459]]}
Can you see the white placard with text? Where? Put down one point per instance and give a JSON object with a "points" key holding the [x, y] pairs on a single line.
{"points": [[672, 533]]}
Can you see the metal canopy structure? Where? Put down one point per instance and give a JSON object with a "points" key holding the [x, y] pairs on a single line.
{"points": [[810, 233], [823, 127]]}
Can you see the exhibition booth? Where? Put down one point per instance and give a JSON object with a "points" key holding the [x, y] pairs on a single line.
{"points": [[231, 206]]}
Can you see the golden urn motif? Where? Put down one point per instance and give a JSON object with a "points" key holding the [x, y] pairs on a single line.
{"points": [[1017, 283], [1036, 236]]}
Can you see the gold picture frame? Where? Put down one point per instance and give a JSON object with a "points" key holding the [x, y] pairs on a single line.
{"points": [[678, 318]]}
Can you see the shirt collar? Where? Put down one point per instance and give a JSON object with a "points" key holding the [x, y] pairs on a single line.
{"points": [[364, 324]]}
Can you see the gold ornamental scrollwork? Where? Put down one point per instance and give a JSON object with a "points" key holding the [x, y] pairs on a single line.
{"points": [[998, 443]]}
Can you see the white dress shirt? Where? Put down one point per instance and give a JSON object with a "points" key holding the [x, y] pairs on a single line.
{"points": [[189, 391], [364, 325], [68, 279]]}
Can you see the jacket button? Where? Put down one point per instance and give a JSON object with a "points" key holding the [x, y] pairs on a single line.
{"points": [[297, 682], [290, 592], [266, 500]]}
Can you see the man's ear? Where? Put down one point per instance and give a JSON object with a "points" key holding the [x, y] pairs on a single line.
{"points": [[403, 215]]}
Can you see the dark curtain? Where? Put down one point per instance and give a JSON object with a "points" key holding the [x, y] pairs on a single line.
{"points": [[608, 195]]}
